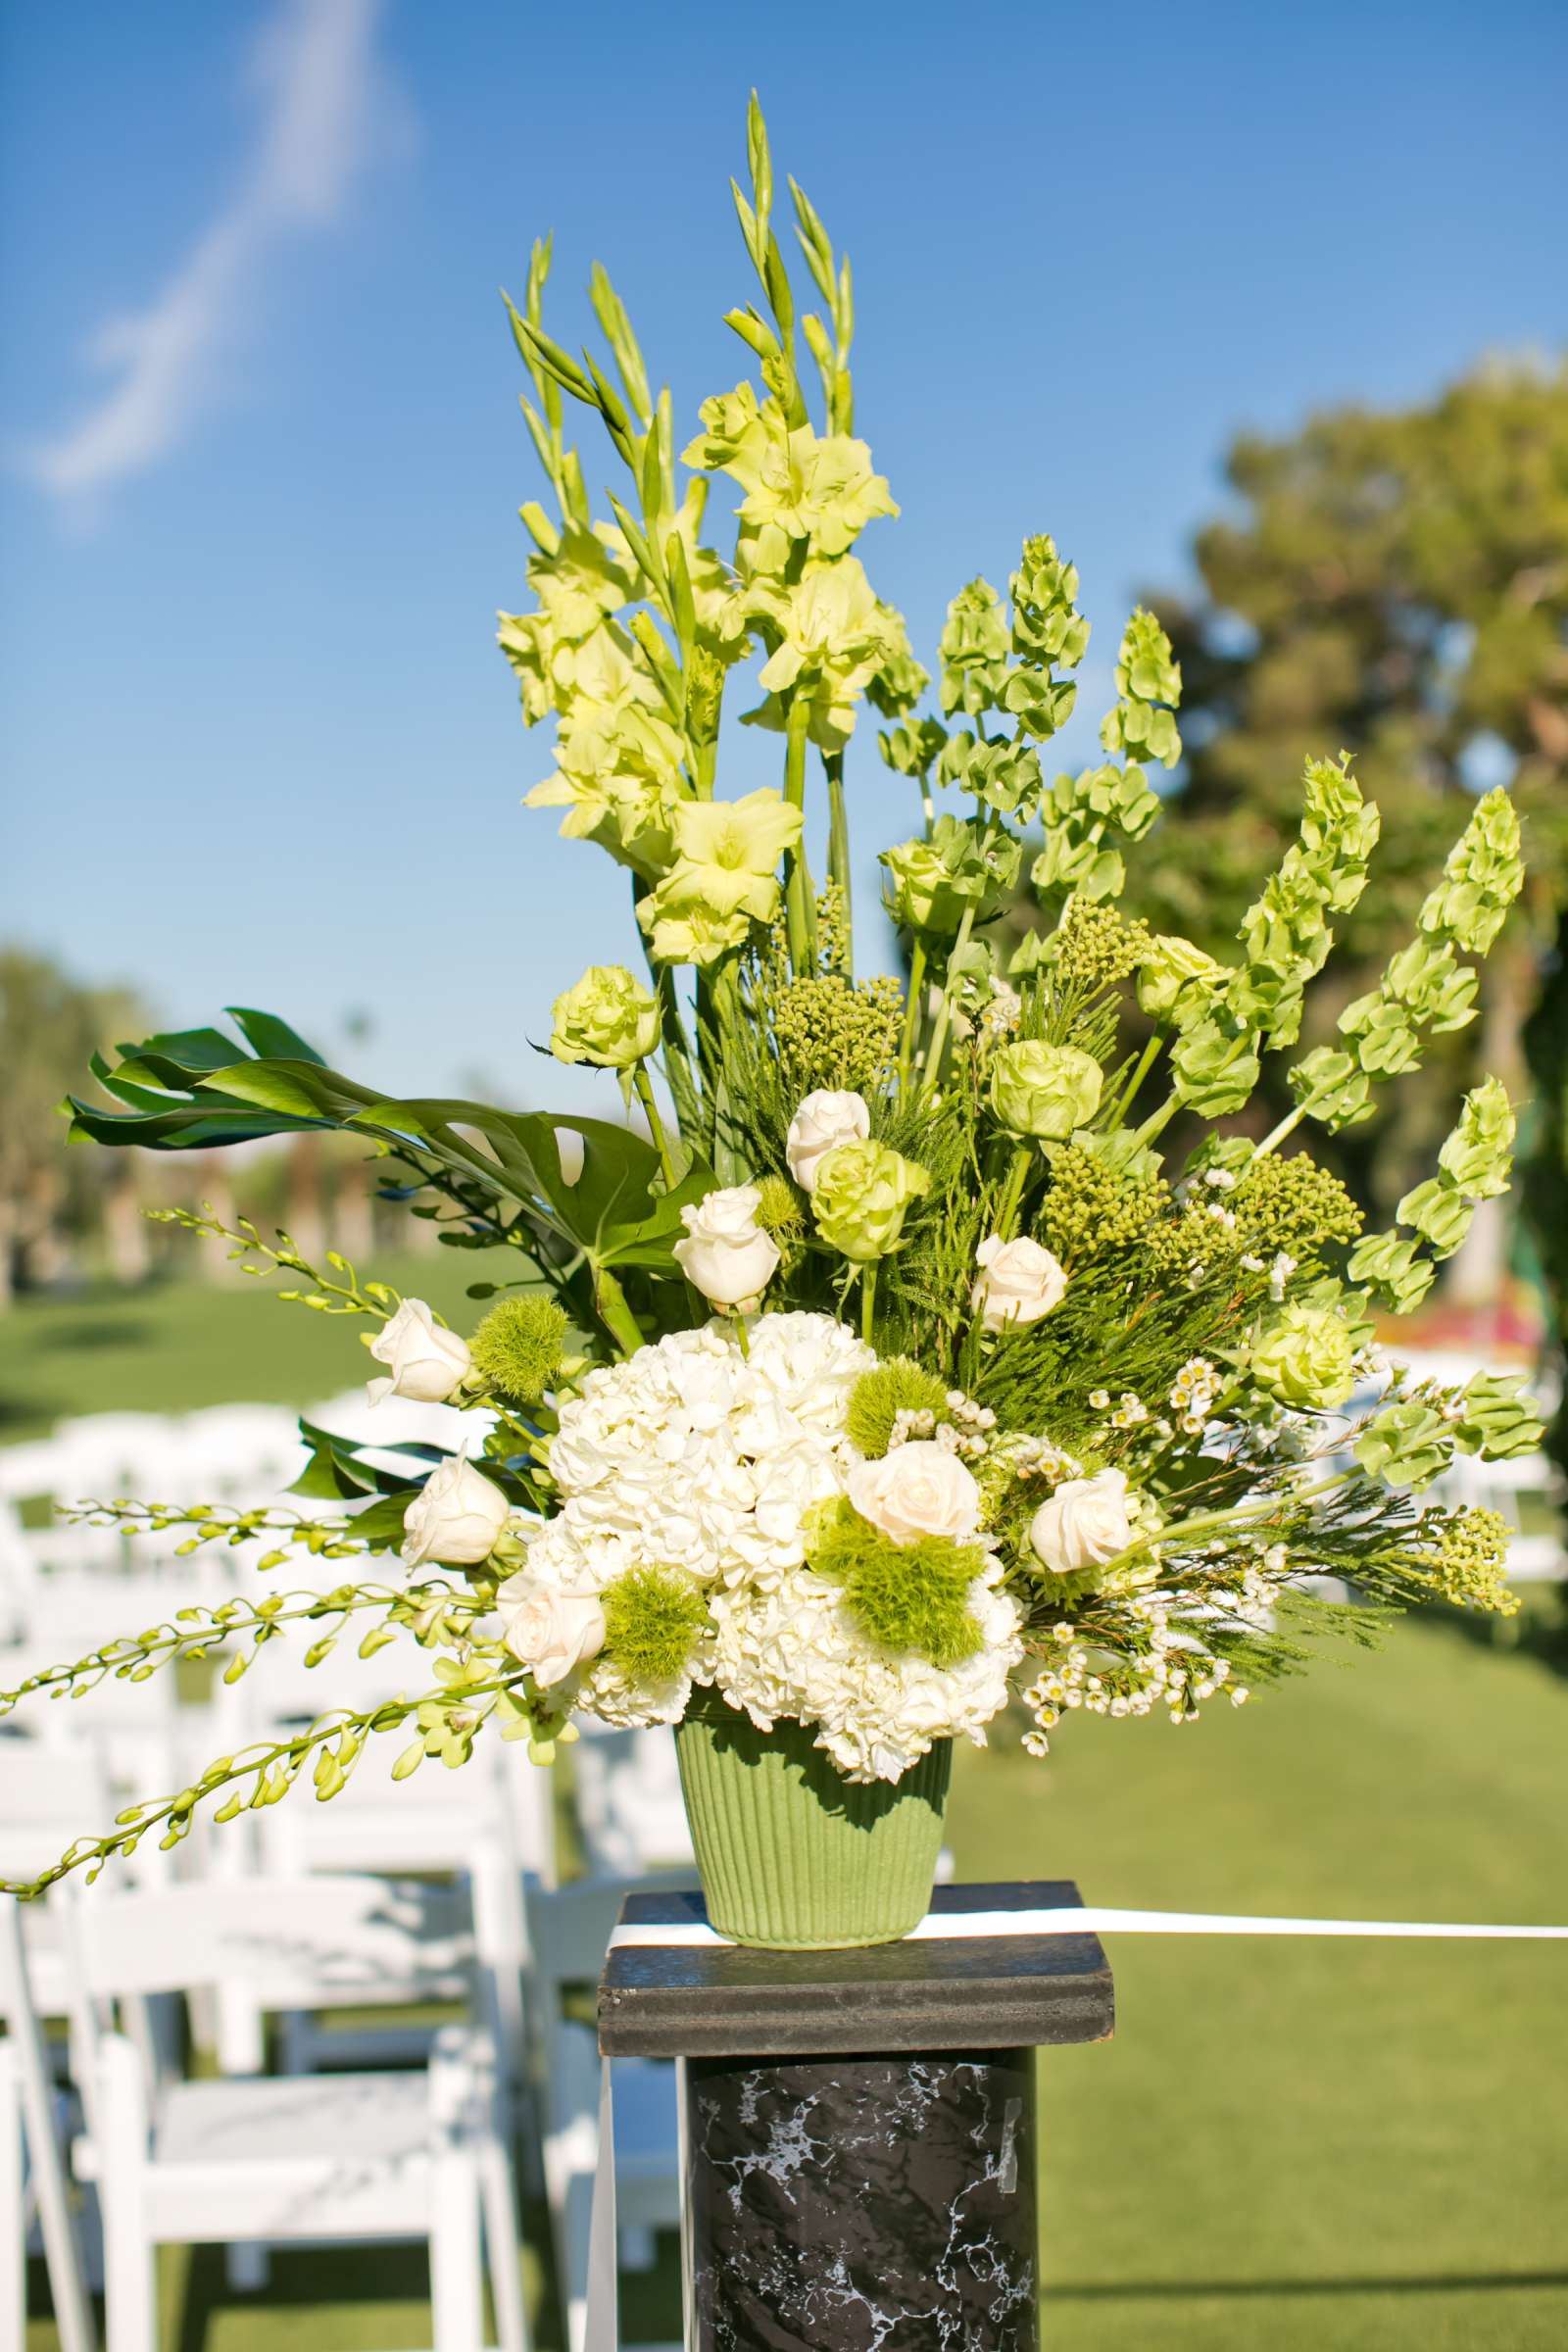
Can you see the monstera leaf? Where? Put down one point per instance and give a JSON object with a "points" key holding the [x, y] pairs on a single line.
{"points": [[189, 1090]]}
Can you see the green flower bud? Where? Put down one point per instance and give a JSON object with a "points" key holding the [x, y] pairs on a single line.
{"points": [[608, 1018], [1476, 1156], [1307, 1358], [862, 1198], [1043, 1091]]}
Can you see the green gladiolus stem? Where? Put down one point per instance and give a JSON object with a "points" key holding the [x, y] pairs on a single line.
{"points": [[800, 914], [838, 850], [1129, 1094], [1277, 1134]]}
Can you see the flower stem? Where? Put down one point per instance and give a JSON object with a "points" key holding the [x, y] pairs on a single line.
{"points": [[615, 1313], [939, 1030], [1277, 1134], [1012, 1192], [868, 1301], [838, 850], [655, 1125], [799, 914], [911, 1013], [1129, 1092]]}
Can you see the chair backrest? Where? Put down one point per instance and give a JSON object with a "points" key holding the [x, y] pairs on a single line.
{"points": [[61, 2252], [49, 1794], [569, 1929], [297, 1943]]}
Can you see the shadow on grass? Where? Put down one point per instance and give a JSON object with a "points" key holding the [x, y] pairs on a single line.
{"points": [[1150, 2290]]}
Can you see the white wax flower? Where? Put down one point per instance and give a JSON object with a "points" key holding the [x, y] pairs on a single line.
{"points": [[552, 1632], [825, 1119], [427, 1362], [1084, 1524], [454, 1518], [1019, 1282], [726, 1253], [920, 1489]]}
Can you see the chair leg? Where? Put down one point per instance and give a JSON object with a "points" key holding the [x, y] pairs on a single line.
{"points": [[12, 2213], [456, 2285], [131, 2275], [502, 2238]]}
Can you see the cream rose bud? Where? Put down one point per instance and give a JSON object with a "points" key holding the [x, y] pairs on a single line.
{"points": [[1084, 1524], [825, 1119], [1019, 1282], [920, 1489], [429, 1362], [726, 1253], [551, 1632], [455, 1518]]}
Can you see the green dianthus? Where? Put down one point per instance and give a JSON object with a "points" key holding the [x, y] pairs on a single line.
{"points": [[653, 1617], [904, 1596], [518, 1346], [879, 1397]]}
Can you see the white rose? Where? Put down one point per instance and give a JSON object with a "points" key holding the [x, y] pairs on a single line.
{"points": [[454, 1518], [553, 1633], [824, 1120], [920, 1489], [427, 1361], [725, 1252], [1019, 1282], [1084, 1525]]}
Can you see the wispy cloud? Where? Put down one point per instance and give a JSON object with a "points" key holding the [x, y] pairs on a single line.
{"points": [[325, 113]]}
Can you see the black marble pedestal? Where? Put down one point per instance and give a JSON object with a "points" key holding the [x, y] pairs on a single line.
{"points": [[860, 2126]]}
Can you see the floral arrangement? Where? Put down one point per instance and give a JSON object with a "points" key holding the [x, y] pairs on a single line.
{"points": [[948, 1339]]}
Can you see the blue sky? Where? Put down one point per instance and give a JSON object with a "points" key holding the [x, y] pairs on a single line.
{"points": [[261, 457]]}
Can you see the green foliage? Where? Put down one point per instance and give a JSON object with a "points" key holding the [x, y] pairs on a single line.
{"points": [[517, 1348], [1091, 1212], [906, 1597], [1286, 1201], [653, 1617], [896, 1386]]}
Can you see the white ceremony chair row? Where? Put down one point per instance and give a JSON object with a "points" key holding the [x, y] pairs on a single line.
{"points": [[293, 2158]]}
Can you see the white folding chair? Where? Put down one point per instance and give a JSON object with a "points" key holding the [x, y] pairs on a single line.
{"points": [[569, 1930], [312, 2159], [30, 2120], [626, 1795]]}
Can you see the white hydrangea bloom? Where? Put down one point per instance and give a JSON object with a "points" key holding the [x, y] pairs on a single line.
{"points": [[794, 1650], [693, 1456]]}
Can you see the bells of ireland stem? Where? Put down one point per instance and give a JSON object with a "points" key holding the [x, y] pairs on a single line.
{"points": [[1045, 1092]]}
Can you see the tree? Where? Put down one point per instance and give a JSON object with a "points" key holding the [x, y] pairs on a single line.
{"points": [[49, 1025], [1394, 584]]}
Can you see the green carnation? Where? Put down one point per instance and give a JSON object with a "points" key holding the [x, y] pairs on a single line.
{"points": [[653, 1617], [900, 1385], [1306, 1356], [608, 1018], [905, 1597], [1044, 1090], [863, 1195], [517, 1348]]}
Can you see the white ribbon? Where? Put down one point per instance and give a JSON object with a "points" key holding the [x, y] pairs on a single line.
{"points": [[602, 2323]]}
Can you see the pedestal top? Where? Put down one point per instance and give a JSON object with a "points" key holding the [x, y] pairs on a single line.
{"points": [[992, 1992]]}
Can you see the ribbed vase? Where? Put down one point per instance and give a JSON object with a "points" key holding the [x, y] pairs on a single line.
{"points": [[792, 1855]]}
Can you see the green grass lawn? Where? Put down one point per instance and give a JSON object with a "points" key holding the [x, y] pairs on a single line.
{"points": [[172, 1346], [1289, 2144]]}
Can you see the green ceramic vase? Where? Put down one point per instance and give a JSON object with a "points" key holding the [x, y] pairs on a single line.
{"points": [[792, 1855]]}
